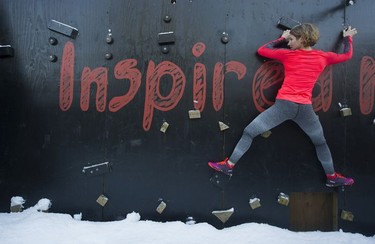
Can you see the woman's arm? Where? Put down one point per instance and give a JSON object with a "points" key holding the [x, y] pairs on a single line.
{"points": [[348, 47], [349, 32], [270, 50]]}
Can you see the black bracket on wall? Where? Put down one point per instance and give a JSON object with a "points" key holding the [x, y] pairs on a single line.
{"points": [[166, 37], [62, 28], [287, 23], [97, 169], [6, 51]]}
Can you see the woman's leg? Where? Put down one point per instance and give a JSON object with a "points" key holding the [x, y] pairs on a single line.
{"points": [[310, 124], [279, 112]]}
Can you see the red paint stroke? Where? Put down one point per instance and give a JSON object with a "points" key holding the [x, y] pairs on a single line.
{"points": [[218, 86], [199, 86], [67, 77], [367, 85], [323, 99], [199, 78], [267, 79], [218, 80], [126, 70], [99, 76], [198, 49], [153, 98]]}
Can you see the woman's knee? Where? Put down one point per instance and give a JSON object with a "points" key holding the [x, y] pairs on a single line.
{"points": [[254, 129]]}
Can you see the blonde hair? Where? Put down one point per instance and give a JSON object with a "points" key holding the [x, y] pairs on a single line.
{"points": [[308, 32]]}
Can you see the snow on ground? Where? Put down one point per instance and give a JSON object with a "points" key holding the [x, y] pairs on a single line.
{"points": [[33, 226]]}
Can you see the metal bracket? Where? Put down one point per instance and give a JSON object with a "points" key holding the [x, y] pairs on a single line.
{"points": [[166, 37], [63, 28], [6, 51], [287, 23], [97, 169]]}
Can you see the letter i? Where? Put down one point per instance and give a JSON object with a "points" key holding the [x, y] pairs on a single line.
{"points": [[199, 78]]}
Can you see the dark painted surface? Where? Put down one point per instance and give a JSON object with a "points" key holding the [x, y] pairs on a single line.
{"points": [[45, 145]]}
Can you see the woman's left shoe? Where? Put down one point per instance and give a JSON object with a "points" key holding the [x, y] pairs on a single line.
{"points": [[222, 166]]}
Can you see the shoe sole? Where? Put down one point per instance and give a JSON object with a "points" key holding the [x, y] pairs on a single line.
{"points": [[219, 170], [328, 185]]}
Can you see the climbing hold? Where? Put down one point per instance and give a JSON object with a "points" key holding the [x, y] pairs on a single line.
{"points": [[254, 203], [283, 199], [102, 200], [223, 126], [223, 215]]}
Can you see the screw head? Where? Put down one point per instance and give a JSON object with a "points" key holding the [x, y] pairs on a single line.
{"points": [[165, 49], [109, 39], [225, 39], [52, 41], [108, 56], [167, 19], [52, 58]]}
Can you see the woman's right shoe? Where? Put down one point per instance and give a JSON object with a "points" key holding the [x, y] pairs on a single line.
{"points": [[338, 180]]}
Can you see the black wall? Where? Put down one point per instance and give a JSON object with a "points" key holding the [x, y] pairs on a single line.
{"points": [[52, 125]]}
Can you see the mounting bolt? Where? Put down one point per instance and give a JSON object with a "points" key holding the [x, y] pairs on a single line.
{"points": [[350, 2], [167, 19], [165, 49], [52, 58], [108, 56], [225, 38], [109, 39], [52, 41]]}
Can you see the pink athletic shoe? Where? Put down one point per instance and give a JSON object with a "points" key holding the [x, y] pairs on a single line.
{"points": [[338, 180], [222, 166]]}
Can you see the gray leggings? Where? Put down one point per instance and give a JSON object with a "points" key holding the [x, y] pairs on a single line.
{"points": [[282, 110]]}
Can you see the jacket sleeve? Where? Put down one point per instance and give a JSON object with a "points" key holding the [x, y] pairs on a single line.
{"points": [[333, 58], [270, 50]]}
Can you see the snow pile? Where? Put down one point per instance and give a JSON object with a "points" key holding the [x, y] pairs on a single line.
{"points": [[133, 217], [77, 216], [33, 226], [15, 201], [43, 204]]}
